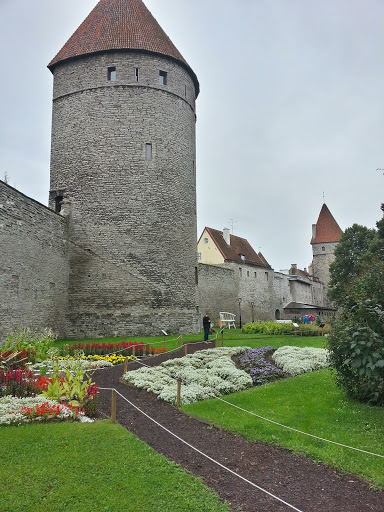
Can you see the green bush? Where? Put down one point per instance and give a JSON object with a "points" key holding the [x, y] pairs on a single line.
{"points": [[357, 352], [277, 328]]}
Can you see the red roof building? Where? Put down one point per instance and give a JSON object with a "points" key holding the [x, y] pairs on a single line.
{"points": [[326, 229], [120, 25], [232, 248]]}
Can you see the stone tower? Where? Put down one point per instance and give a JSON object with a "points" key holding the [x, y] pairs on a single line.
{"points": [[123, 173], [326, 234]]}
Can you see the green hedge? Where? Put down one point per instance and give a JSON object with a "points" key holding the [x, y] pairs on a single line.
{"points": [[277, 328]]}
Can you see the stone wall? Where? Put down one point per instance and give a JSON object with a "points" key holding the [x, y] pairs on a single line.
{"points": [[323, 256], [132, 219], [221, 286], [33, 264], [281, 294]]}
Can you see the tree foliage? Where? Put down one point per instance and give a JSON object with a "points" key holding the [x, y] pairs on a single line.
{"points": [[357, 286]]}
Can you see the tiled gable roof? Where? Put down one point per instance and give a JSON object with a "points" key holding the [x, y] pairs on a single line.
{"points": [[237, 247], [327, 229], [120, 25]]}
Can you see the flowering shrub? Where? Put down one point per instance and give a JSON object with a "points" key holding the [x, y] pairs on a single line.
{"points": [[16, 411], [204, 374], [296, 360], [261, 370]]}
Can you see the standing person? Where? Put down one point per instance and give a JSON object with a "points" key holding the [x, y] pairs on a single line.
{"points": [[206, 325]]}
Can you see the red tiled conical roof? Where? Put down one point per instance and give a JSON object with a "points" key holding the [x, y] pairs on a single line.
{"points": [[120, 25], [327, 229]]}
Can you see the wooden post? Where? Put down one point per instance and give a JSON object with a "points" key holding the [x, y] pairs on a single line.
{"points": [[216, 341], [222, 339], [126, 365], [178, 393], [164, 341], [177, 344], [147, 349], [113, 406], [186, 349], [134, 350]]}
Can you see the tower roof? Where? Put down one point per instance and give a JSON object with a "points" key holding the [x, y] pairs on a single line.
{"points": [[120, 25], [327, 229]]}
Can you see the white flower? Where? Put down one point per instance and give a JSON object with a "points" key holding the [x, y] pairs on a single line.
{"points": [[296, 360], [204, 374]]}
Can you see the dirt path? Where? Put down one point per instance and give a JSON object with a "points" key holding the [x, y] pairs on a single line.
{"points": [[293, 478]]}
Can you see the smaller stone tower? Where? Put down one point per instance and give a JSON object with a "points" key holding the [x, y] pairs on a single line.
{"points": [[326, 234]]}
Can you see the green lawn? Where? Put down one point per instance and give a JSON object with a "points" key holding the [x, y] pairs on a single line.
{"points": [[311, 403], [231, 337], [98, 467]]}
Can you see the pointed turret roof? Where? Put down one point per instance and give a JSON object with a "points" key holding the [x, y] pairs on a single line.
{"points": [[120, 25], [327, 229]]}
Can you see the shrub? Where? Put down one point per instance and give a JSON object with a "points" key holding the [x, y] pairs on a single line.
{"points": [[357, 352], [283, 328]]}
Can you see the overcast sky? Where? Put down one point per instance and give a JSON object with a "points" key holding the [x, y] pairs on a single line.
{"points": [[291, 107]]}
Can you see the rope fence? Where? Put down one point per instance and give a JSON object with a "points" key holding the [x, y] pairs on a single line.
{"points": [[113, 418]]}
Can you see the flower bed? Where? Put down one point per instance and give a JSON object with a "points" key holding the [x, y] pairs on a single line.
{"points": [[256, 362], [204, 374], [63, 395], [295, 360], [16, 411], [126, 348], [18, 382]]}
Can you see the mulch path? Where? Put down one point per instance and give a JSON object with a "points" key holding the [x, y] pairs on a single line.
{"points": [[293, 478]]}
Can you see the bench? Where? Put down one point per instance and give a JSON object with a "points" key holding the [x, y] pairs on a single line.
{"points": [[227, 319]]}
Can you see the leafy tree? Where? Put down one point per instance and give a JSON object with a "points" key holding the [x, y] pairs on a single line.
{"points": [[357, 285], [352, 256]]}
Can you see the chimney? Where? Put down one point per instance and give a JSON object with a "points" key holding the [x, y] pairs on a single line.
{"points": [[226, 236], [293, 269], [313, 231]]}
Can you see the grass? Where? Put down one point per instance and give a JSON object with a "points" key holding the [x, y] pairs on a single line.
{"points": [[312, 403], [99, 467], [231, 338]]}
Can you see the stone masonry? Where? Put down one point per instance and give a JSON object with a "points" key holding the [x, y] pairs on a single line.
{"points": [[132, 220], [34, 266]]}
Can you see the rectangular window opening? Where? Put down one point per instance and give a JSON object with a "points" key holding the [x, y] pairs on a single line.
{"points": [[148, 152], [112, 74], [162, 78], [137, 74], [196, 276]]}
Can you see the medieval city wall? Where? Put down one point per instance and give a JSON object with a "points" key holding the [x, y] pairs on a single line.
{"points": [[281, 295], [221, 286], [34, 265]]}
